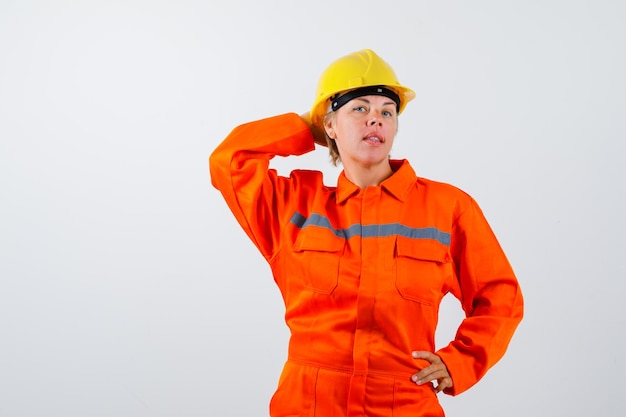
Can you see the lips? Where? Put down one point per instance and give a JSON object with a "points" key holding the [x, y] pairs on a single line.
{"points": [[373, 139]]}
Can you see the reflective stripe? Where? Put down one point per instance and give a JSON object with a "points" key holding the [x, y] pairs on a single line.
{"points": [[372, 230]]}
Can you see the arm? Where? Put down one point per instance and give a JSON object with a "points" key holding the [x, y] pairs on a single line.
{"points": [[239, 169], [490, 296]]}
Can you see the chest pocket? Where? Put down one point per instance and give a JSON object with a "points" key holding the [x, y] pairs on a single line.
{"points": [[423, 270], [317, 252]]}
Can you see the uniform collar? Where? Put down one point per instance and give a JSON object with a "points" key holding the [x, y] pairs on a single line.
{"points": [[398, 184]]}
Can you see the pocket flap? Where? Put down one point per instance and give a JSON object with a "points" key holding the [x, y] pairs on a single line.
{"points": [[318, 239], [422, 249]]}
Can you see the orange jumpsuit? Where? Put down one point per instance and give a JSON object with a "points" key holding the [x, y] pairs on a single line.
{"points": [[362, 273]]}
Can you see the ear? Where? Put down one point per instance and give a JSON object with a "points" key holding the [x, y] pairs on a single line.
{"points": [[329, 128]]}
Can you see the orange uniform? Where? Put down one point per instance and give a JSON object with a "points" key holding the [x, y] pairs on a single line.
{"points": [[362, 273]]}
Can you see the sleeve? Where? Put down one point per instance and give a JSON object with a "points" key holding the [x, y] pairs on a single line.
{"points": [[491, 298], [239, 169]]}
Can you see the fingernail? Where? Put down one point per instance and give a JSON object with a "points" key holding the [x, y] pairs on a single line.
{"points": [[414, 354], [414, 378]]}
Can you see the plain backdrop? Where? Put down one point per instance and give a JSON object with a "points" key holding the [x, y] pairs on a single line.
{"points": [[128, 289]]}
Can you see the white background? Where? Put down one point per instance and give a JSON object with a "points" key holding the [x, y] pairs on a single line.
{"points": [[128, 289]]}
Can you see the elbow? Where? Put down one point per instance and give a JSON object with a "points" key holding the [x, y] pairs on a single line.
{"points": [[219, 166], [500, 298]]}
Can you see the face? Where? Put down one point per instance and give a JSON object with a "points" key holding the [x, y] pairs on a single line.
{"points": [[364, 129]]}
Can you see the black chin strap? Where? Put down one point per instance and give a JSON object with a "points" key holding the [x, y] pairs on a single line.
{"points": [[376, 90]]}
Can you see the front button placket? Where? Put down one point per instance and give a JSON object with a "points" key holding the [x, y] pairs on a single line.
{"points": [[370, 264]]}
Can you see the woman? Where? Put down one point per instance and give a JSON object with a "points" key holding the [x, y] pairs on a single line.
{"points": [[362, 267]]}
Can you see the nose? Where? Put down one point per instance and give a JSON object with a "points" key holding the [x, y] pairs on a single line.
{"points": [[375, 119]]}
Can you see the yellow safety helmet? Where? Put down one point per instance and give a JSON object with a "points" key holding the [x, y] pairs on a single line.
{"points": [[354, 72]]}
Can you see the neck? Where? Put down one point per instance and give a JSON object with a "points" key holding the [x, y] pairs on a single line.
{"points": [[366, 176]]}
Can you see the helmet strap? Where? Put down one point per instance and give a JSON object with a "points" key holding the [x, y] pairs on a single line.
{"points": [[338, 101]]}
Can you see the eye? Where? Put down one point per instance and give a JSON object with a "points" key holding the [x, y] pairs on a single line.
{"points": [[359, 108], [387, 113]]}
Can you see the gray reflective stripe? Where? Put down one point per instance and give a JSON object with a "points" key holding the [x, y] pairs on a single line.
{"points": [[372, 230]]}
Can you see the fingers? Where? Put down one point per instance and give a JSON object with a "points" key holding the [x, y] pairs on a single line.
{"points": [[443, 384], [436, 371], [424, 354], [431, 374], [442, 381]]}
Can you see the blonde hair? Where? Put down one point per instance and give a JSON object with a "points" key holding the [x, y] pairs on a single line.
{"points": [[333, 151]]}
